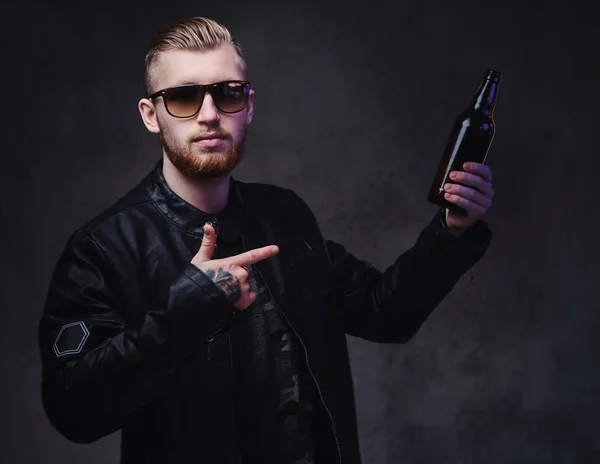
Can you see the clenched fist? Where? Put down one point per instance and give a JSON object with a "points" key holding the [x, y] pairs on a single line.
{"points": [[229, 274]]}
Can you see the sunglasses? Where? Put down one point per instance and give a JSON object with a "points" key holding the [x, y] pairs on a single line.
{"points": [[184, 101]]}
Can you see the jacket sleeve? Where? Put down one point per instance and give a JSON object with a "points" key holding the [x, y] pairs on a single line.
{"points": [[391, 306], [97, 369]]}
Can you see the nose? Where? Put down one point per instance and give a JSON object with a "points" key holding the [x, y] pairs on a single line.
{"points": [[208, 112]]}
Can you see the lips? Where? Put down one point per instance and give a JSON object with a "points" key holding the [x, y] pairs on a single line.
{"points": [[210, 140], [209, 137]]}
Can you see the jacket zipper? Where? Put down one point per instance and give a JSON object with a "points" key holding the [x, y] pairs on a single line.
{"points": [[224, 323], [337, 443], [232, 370]]}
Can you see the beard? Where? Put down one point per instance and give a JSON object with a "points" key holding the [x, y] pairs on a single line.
{"points": [[203, 163]]}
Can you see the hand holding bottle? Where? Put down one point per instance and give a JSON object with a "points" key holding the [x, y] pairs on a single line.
{"points": [[468, 143], [472, 191]]}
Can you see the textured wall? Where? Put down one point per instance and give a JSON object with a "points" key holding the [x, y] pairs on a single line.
{"points": [[354, 104]]}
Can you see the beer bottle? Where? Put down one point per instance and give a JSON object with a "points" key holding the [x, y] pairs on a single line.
{"points": [[469, 140]]}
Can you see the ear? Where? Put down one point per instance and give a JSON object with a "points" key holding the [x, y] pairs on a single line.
{"points": [[148, 114], [250, 111]]}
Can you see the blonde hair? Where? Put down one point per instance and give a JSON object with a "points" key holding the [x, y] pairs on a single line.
{"points": [[195, 34]]}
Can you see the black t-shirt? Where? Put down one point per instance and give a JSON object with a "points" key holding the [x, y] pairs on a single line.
{"points": [[271, 386]]}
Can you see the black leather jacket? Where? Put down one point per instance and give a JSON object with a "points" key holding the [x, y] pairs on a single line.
{"points": [[134, 337]]}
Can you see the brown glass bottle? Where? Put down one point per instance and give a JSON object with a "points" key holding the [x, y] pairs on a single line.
{"points": [[470, 139]]}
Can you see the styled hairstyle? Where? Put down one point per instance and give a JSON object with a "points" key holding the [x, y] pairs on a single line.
{"points": [[194, 34]]}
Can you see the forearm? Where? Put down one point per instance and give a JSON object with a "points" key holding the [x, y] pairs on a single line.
{"points": [[391, 306], [120, 368]]}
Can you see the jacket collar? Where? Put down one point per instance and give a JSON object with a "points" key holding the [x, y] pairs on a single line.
{"points": [[227, 223], [245, 215]]}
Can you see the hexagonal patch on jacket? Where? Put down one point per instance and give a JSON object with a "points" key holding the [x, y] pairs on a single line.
{"points": [[71, 338]]}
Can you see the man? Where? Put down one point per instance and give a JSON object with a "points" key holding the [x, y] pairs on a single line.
{"points": [[205, 317]]}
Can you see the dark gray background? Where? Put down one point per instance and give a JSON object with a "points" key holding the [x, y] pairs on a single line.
{"points": [[353, 106]]}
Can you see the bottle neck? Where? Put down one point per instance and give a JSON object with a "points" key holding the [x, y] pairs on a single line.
{"points": [[485, 98]]}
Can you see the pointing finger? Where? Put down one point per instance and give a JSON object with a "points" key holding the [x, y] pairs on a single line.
{"points": [[254, 256]]}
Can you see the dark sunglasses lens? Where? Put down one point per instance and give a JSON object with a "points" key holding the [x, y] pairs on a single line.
{"points": [[231, 97], [183, 101]]}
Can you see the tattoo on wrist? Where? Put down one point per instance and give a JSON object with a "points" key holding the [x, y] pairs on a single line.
{"points": [[227, 282]]}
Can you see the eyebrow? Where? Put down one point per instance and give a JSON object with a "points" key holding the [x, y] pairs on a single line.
{"points": [[185, 82], [188, 82]]}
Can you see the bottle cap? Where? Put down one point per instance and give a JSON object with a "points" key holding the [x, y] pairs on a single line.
{"points": [[493, 75]]}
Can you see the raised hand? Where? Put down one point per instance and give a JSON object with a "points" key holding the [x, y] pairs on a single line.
{"points": [[230, 274], [472, 191]]}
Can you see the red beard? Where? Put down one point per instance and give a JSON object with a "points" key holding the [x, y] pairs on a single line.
{"points": [[201, 163]]}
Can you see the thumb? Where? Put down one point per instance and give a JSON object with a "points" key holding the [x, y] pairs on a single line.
{"points": [[207, 247]]}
